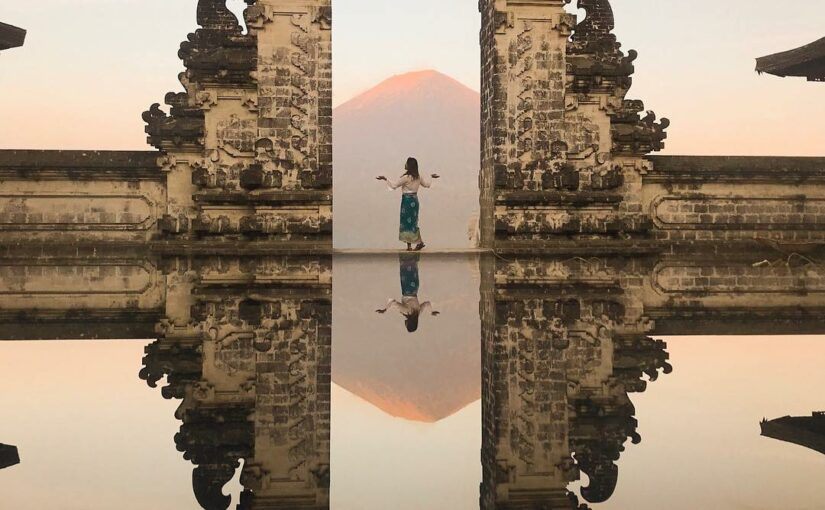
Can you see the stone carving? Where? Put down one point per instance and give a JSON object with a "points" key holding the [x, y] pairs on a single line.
{"points": [[252, 367], [182, 130], [563, 347], [268, 88], [236, 135], [555, 122], [565, 153]]}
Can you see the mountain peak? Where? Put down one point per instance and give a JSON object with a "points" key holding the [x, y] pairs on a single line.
{"points": [[416, 78], [425, 82]]}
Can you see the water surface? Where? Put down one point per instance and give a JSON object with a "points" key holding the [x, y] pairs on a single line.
{"points": [[548, 383]]}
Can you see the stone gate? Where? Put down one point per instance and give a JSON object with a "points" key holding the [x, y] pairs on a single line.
{"points": [[244, 152], [564, 150]]}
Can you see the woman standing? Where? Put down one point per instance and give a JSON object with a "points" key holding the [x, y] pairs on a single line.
{"points": [[410, 181]]}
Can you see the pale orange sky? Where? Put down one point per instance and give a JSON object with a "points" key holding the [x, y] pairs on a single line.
{"points": [[83, 84], [100, 438]]}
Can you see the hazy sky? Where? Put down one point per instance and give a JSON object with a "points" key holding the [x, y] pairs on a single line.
{"points": [[98, 437], [90, 67]]}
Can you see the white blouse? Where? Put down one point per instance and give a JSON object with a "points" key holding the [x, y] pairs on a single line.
{"points": [[409, 305], [408, 184]]}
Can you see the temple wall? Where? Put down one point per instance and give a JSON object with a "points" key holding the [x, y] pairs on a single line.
{"points": [[563, 344], [244, 151], [759, 291], [696, 199], [249, 149], [566, 341], [79, 196], [262, 328], [561, 146], [564, 157]]}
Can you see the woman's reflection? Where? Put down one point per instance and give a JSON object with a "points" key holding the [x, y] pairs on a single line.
{"points": [[409, 306]]}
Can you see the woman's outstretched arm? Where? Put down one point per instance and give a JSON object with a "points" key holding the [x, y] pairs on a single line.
{"points": [[395, 185], [427, 306], [426, 182], [390, 304]]}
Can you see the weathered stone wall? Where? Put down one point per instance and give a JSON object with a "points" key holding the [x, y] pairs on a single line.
{"points": [[258, 386], [245, 151], [560, 354], [758, 291], [730, 199], [244, 342], [248, 146], [567, 339], [564, 153], [561, 147], [73, 196]]}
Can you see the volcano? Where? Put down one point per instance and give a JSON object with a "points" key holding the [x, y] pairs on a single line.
{"points": [[423, 114]]}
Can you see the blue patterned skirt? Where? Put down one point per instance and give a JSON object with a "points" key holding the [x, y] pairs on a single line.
{"points": [[409, 231], [408, 266]]}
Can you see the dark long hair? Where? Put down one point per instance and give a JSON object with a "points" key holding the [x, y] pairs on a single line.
{"points": [[411, 321], [412, 169]]}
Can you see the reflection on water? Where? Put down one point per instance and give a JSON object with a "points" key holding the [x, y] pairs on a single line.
{"points": [[807, 431], [556, 350], [250, 360], [410, 307]]}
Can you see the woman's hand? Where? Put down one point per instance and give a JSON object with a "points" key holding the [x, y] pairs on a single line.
{"points": [[381, 178], [435, 176]]}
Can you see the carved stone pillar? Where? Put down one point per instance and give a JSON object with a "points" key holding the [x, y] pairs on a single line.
{"points": [[561, 148], [248, 146], [251, 360], [564, 342]]}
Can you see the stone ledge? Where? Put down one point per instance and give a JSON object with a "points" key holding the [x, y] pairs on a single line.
{"points": [[264, 197], [675, 321], [590, 247], [141, 249], [79, 165], [82, 325], [740, 169], [579, 199], [209, 247]]}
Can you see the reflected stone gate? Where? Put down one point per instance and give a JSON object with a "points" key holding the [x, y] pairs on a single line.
{"points": [[112, 245], [566, 340], [247, 348], [244, 342]]}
